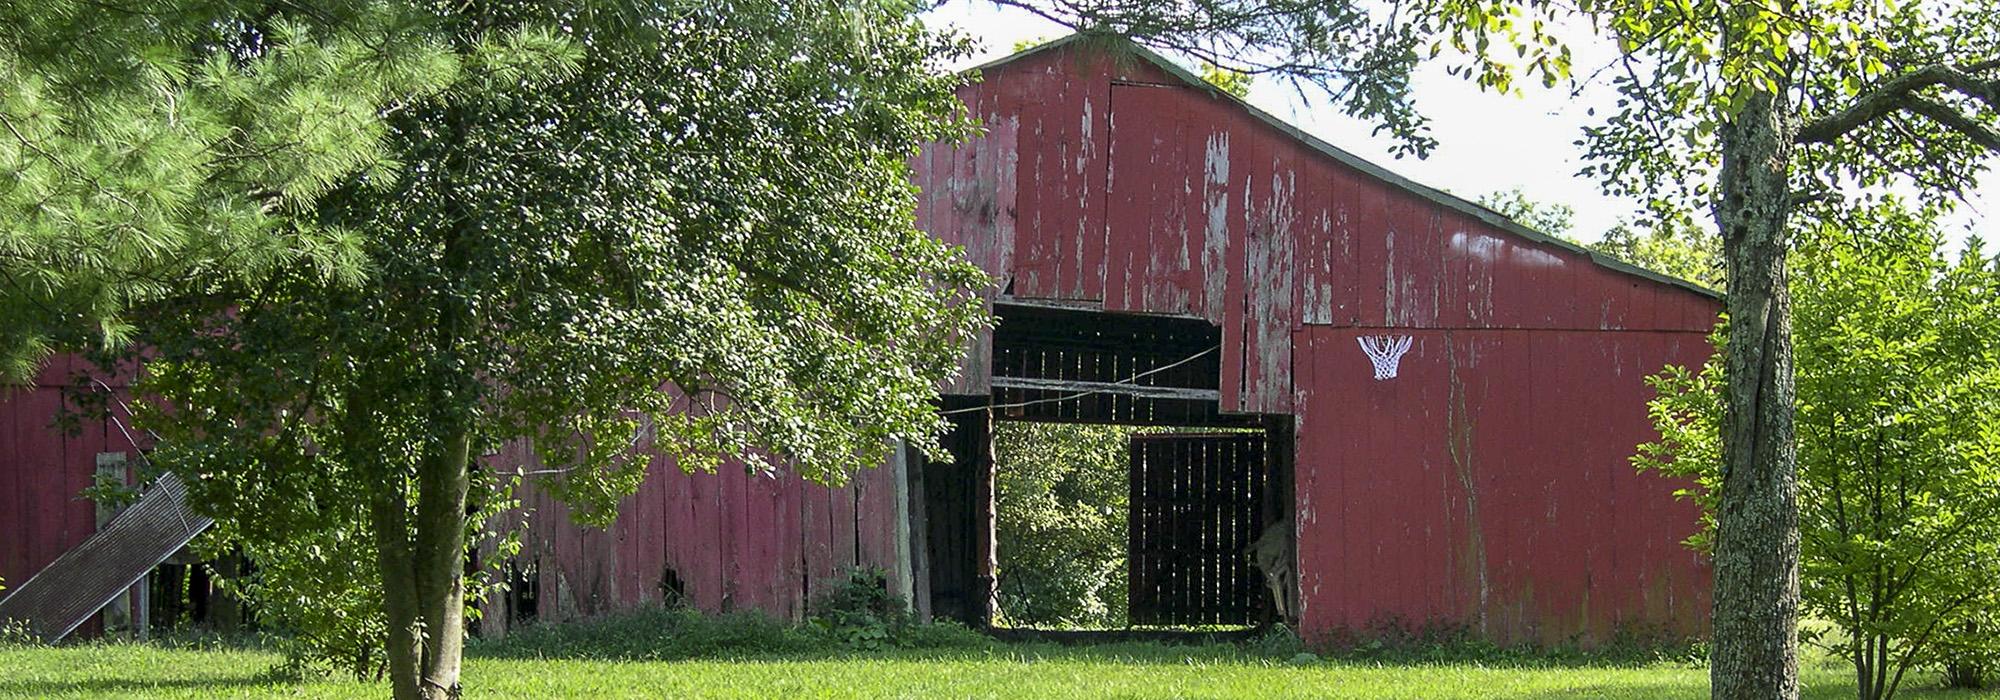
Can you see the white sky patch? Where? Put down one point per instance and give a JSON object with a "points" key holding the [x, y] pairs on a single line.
{"points": [[1486, 142]]}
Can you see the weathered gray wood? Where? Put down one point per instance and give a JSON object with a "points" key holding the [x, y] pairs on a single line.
{"points": [[905, 574], [918, 539]]}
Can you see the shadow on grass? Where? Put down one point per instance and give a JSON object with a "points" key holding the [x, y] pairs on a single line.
{"points": [[215, 685], [681, 635], [1820, 691]]}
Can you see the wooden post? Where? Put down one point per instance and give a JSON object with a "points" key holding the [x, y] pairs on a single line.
{"points": [[142, 607], [117, 615], [917, 540], [225, 610], [493, 611], [899, 465], [986, 551]]}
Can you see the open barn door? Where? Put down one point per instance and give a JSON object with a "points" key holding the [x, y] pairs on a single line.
{"points": [[1197, 506]]}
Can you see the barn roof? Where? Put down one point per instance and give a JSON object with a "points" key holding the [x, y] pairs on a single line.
{"points": [[1446, 199]]}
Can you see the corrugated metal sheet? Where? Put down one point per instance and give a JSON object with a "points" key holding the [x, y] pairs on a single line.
{"points": [[83, 580]]}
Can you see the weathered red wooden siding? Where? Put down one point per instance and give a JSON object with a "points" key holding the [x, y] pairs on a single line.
{"points": [[43, 471], [1488, 485], [735, 540]]}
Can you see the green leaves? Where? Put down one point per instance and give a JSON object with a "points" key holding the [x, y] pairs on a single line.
{"points": [[166, 147], [1060, 525], [1899, 388], [621, 239], [1233, 82]]}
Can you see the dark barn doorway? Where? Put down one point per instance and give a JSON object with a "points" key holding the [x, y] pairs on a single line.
{"points": [[1201, 486], [1197, 506]]}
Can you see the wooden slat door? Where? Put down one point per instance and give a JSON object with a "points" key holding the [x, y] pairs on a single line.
{"points": [[1195, 507]]}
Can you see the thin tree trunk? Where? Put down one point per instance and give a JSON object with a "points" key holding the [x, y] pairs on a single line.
{"points": [[440, 540], [399, 591], [1757, 536]]}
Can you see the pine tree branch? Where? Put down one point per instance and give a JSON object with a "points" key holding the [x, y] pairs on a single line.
{"points": [[69, 169], [1147, 24], [1900, 94]]}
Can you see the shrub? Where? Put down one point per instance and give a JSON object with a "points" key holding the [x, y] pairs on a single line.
{"points": [[859, 611], [1898, 430], [856, 615], [16, 634], [651, 634], [1061, 494]]}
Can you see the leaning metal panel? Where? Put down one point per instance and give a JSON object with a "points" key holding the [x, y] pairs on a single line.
{"points": [[85, 579]]}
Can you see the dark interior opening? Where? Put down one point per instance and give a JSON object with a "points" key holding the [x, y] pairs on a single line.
{"points": [[185, 592], [1204, 486], [673, 591], [523, 598]]}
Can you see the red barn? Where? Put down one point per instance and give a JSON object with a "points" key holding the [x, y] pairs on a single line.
{"points": [[1440, 403]]}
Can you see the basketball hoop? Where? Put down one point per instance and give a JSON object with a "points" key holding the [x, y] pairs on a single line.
{"points": [[1386, 351]]}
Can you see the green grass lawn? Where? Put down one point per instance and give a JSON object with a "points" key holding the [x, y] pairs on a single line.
{"points": [[1014, 671]]}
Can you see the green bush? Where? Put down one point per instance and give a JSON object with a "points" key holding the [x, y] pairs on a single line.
{"points": [[859, 611], [857, 615], [16, 634], [1898, 437], [1060, 499]]}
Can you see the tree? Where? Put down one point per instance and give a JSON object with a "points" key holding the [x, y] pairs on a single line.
{"points": [[1899, 456], [1747, 111], [690, 234], [153, 143], [1668, 246], [1551, 218], [1060, 494], [1234, 82]]}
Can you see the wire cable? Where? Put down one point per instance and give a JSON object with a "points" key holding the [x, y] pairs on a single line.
{"points": [[1081, 394]]}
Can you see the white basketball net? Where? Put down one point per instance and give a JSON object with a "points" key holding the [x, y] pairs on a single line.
{"points": [[1386, 351]]}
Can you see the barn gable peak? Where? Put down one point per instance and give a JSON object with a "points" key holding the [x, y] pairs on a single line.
{"points": [[1093, 42]]}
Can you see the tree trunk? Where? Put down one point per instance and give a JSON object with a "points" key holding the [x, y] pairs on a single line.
{"points": [[436, 552], [441, 562], [1757, 535], [423, 573], [387, 515], [1964, 675]]}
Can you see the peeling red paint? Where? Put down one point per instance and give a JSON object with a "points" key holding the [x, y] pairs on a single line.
{"points": [[1488, 484]]}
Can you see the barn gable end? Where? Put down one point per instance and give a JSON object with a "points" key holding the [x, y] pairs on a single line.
{"points": [[1488, 484]]}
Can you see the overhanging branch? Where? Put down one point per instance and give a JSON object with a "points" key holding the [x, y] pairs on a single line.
{"points": [[1900, 93], [1955, 121]]}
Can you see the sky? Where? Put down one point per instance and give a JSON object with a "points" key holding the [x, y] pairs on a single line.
{"points": [[1487, 142]]}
